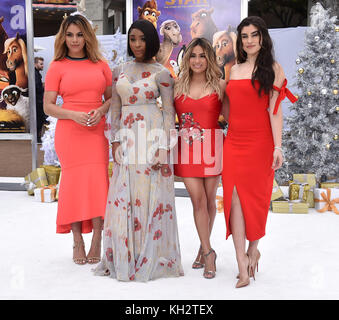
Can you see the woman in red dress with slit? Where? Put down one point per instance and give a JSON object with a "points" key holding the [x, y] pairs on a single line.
{"points": [[199, 94], [252, 149]]}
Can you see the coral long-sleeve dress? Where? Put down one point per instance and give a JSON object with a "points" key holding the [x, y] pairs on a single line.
{"points": [[248, 154], [82, 150]]}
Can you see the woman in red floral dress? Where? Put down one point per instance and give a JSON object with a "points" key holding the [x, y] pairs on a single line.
{"points": [[140, 232], [198, 95]]}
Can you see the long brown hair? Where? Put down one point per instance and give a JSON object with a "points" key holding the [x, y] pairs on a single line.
{"points": [[91, 43], [213, 73], [263, 68]]}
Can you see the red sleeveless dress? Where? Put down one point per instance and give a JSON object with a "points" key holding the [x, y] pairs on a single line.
{"points": [[198, 152], [248, 154]]}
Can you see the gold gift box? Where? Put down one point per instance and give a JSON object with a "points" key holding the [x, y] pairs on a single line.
{"points": [[52, 173], [110, 169], [276, 192], [326, 185], [311, 180], [289, 207], [36, 179], [297, 191]]}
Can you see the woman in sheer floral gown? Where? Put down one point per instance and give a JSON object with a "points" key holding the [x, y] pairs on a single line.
{"points": [[141, 240]]}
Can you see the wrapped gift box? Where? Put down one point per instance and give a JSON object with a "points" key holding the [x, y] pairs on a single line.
{"points": [[325, 185], [57, 187], [110, 169], [52, 174], [45, 194], [36, 179], [276, 192], [312, 182], [326, 199], [285, 206], [298, 191]]}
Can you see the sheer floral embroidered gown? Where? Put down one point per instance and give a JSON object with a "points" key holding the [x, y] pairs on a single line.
{"points": [[140, 231]]}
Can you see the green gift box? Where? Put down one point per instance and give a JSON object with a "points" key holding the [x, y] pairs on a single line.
{"points": [[36, 179]]}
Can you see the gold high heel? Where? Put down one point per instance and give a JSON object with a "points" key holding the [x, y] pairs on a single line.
{"points": [[210, 274], [94, 260], [197, 264], [77, 245], [244, 282]]}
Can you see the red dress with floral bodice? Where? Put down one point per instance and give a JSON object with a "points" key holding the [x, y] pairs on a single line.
{"points": [[199, 149]]}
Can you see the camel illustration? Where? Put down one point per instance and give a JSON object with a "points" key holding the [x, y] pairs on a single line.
{"points": [[170, 30], [224, 47], [203, 25], [15, 48]]}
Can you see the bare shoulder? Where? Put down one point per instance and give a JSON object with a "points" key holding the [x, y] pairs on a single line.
{"points": [[279, 74], [222, 84]]}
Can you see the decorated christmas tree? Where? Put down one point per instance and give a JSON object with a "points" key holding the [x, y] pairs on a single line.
{"points": [[310, 138]]}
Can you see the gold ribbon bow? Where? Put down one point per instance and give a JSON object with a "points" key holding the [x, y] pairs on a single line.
{"points": [[220, 204], [329, 204]]}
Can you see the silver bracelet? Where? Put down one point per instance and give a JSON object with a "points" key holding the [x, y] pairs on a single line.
{"points": [[278, 148]]}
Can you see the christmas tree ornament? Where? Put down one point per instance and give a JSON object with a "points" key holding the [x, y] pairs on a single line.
{"points": [[336, 29], [298, 61], [328, 146], [316, 38], [337, 109], [335, 91], [335, 137], [309, 105], [324, 91], [332, 61], [301, 70], [328, 45], [309, 93]]}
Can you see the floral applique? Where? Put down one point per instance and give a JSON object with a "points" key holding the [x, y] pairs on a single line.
{"points": [[133, 99], [137, 224], [129, 120], [165, 84], [109, 254], [189, 129], [145, 74], [166, 170], [149, 95], [157, 235]]}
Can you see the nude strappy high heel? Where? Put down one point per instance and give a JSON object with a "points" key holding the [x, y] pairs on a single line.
{"points": [[77, 245]]}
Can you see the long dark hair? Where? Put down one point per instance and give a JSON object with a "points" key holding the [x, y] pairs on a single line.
{"points": [[151, 38], [263, 68]]}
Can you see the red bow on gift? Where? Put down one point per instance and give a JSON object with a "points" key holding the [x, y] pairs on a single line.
{"points": [[283, 93]]}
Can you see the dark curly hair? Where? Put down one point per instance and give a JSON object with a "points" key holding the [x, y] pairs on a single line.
{"points": [[263, 68]]}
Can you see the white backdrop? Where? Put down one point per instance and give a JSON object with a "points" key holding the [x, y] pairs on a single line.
{"points": [[288, 42]]}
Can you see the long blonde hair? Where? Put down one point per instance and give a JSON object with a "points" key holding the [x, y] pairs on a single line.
{"points": [[91, 43], [213, 73]]}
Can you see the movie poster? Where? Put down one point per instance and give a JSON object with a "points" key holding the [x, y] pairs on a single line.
{"points": [[14, 106], [179, 21]]}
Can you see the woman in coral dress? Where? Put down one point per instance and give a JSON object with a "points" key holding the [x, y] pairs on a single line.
{"points": [[81, 76], [141, 240], [198, 97], [252, 148]]}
